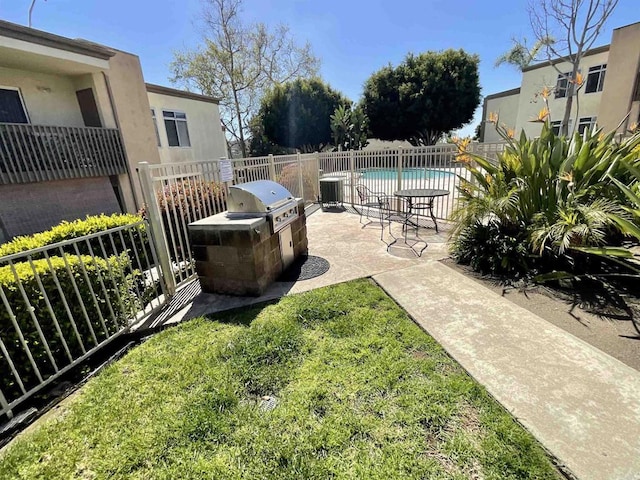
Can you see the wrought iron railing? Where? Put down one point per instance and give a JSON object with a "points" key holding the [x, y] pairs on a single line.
{"points": [[38, 153]]}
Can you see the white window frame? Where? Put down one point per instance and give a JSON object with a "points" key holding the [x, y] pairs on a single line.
{"points": [[601, 71], [24, 106], [176, 119], [155, 124], [558, 123], [587, 122], [563, 77]]}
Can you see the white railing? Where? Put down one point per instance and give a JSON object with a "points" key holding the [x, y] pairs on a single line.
{"points": [[62, 302]]}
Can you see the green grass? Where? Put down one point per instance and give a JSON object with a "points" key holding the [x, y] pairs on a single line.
{"points": [[362, 393]]}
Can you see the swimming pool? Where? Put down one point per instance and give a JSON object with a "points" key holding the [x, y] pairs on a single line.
{"points": [[407, 174]]}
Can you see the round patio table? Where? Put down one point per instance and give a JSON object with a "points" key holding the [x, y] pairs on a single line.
{"points": [[413, 194]]}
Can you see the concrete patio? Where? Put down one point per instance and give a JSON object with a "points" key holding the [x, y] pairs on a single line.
{"points": [[582, 404]]}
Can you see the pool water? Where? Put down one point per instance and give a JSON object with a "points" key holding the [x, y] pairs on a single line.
{"points": [[407, 174]]}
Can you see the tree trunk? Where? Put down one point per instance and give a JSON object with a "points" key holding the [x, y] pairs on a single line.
{"points": [[564, 130]]}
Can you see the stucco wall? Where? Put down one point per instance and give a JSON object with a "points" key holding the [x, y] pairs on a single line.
{"points": [[34, 207], [203, 122], [133, 115], [533, 81], [623, 68], [49, 99], [507, 109]]}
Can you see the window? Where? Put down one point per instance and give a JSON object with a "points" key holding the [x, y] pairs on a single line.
{"points": [[562, 86], [556, 124], [595, 80], [155, 126], [11, 106], [586, 123], [177, 131]]}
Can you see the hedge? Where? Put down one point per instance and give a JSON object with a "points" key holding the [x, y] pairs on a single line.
{"points": [[71, 230], [120, 292]]}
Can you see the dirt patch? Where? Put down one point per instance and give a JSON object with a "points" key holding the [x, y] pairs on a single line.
{"points": [[614, 336]]}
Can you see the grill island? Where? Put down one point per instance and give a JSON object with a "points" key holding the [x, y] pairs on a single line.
{"points": [[244, 250]]}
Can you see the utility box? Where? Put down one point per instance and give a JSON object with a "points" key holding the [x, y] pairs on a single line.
{"points": [[331, 191]]}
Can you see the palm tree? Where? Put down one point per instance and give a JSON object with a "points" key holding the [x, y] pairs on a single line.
{"points": [[521, 56]]}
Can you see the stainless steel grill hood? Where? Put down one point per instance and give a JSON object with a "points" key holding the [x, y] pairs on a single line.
{"points": [[257, 197], [262, 198]]}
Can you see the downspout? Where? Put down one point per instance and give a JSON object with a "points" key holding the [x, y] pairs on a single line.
{"points": [[126, 156]]}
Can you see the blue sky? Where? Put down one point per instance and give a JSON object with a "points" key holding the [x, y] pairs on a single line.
{"points": [[352, 38]]}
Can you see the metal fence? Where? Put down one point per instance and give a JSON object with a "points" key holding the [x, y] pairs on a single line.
{"points": [[62, 302], [177, 194]]}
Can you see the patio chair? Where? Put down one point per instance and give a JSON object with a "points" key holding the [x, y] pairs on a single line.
{"points": [[368, 200], [396, 210]]}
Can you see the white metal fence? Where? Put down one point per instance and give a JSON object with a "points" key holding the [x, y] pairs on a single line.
{"points": [[176, 194], [62, 302]]}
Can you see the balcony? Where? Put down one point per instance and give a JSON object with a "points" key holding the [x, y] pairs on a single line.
{"points": [[40, 153]]}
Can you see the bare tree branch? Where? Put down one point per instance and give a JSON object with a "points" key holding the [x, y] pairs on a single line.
{"points": [[238, 63], [578, 23]]}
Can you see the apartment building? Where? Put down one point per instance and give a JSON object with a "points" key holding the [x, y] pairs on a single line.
{"points": [[75, 120], [609, 97]]}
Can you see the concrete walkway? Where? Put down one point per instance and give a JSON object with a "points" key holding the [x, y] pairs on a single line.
{"points": [[580, 403]]}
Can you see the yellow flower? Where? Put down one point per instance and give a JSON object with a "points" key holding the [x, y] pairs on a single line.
{"points": [[567, 177], [543, 115], [633, 127], [493, 117], [511, 133], [545, 93], [579, 80]]}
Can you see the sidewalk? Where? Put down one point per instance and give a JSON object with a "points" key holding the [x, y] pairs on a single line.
{"points": [[580, 403]]}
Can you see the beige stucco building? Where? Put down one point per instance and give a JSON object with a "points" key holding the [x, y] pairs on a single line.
{"points": [[187, 125], [76, 119], [609, 98]]}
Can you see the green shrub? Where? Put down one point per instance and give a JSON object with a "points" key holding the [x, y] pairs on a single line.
{"points": [[489, 249], [556, 191], [116, 296], [75, 229]]}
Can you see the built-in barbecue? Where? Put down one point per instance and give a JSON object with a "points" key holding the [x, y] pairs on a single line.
{"points": [[242, 251]]}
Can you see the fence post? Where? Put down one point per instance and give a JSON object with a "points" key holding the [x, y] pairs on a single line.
{"points": [[300, 181], [272, 168], [352, 170], [316, 156], [155, 223], [400, 157]]}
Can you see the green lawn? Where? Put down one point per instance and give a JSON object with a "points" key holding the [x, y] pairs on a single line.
{"points": [[361, 392]]}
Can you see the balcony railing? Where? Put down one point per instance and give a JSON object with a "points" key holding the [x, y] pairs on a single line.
{"points": [[39, 153]]}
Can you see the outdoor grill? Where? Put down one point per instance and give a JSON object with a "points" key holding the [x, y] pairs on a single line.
{"points": [[243, 250], [262, 198]]}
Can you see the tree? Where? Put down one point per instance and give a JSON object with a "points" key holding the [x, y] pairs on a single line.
{"points": [[520, 55], [424, 97], [239, 62], [575, 25], [349, 128], [297, 114]]}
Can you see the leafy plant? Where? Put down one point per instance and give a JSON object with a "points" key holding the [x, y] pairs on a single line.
{"points": [[561, 193]]}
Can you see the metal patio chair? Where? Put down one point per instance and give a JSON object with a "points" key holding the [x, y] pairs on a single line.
{"points": [[369, 200], [396, 210]]}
